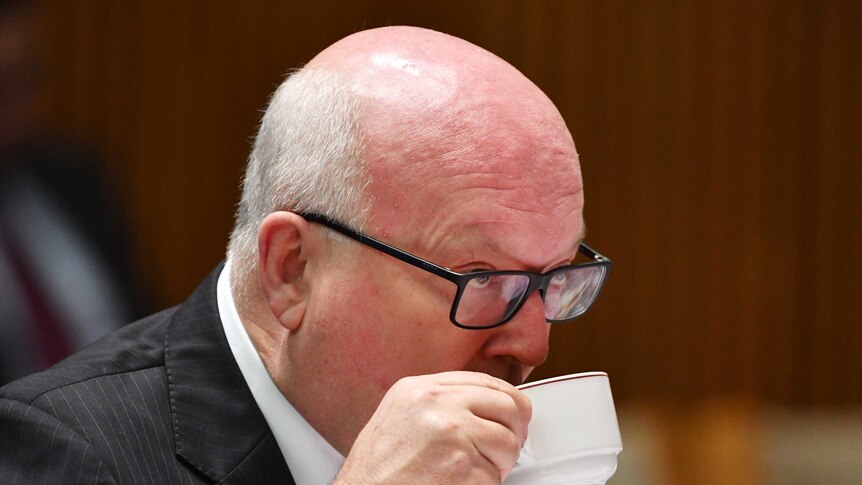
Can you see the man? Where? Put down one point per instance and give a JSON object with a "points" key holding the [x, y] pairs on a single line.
{"points": [[323, 353]]}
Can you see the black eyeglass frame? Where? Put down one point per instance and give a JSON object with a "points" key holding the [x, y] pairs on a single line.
{"points": [[537, 281]]}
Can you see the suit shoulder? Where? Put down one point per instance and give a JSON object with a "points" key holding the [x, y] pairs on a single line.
{"points": [[137, 346], [24, 457], [89, 406]]}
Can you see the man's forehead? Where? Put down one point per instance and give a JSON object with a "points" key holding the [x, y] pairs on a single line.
{"points": [[531, 188], [502, 172], [534, 244], [525, 217]]}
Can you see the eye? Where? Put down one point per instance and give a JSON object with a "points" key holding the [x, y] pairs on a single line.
{"points": [[559, 278], [480, 282]]}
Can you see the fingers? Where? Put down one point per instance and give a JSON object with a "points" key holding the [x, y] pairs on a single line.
{"points": [[497, 413], [480, 380], [498, 445], [495, 406], [453, 427]]}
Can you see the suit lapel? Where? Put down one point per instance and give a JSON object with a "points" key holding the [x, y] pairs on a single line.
{"points": [[217, 425], [258, 466]]}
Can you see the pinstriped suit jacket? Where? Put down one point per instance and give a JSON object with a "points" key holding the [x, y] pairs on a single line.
{"points": [[160, 401]]}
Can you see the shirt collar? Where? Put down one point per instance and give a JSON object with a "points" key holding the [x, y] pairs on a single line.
{"points": [[311, 459]]}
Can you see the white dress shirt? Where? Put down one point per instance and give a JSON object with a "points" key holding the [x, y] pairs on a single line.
{"points": [[311, 459]]}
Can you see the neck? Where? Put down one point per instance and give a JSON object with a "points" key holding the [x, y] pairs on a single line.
{"points": [[298, 369]]}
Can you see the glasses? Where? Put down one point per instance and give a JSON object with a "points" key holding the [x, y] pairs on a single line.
{"points": [[487, 299]]}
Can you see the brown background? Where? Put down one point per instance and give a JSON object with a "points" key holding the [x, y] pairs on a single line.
{"points": [[720, 144]]}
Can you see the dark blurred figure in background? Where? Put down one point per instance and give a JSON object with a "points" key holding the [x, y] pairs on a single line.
{"points": [[64, 277]]}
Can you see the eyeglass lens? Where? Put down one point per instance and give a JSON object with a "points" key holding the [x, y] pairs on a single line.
{"points": [[487, 300]]}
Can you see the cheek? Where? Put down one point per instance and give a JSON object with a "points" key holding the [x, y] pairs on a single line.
{"points": [[389, 325], [357, 330]]}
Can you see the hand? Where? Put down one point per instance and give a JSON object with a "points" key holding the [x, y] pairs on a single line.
{"points": [[453, 427]]}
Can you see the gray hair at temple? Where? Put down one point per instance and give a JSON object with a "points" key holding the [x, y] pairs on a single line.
{"points": [[307, 157]]}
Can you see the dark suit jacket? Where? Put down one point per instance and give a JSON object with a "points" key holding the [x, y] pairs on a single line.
{"points": [[159, 401]]}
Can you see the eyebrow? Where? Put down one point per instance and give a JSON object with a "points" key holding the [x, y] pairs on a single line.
{"points": [[494, 245]]}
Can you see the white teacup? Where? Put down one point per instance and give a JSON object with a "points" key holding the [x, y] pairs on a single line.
{"points": [[573, 436]]}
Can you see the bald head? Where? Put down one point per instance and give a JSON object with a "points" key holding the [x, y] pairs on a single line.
{"points": [[410, 77], [386, 123], [433, 106], [402, 66]]}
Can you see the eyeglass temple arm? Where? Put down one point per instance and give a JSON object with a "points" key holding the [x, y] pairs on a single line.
{"points": [[382, 246], [592, 253]]}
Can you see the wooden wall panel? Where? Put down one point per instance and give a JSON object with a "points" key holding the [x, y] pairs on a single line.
{"points": [[719, 141]]}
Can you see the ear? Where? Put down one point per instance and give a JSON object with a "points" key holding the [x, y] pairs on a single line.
{"points": [[284, 245]]}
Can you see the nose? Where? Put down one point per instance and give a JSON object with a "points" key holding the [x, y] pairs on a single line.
{"points": [[524, 338]]}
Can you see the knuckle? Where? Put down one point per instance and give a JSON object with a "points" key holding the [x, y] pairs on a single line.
{"points": [[425, 395], [459, 463], [442, 424], [494, 382], [409, 389], [512, 444], [527, 403], [404, 383], [416, 389]]}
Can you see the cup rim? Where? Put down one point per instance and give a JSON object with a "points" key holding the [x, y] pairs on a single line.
{"points": [[568, 377]]}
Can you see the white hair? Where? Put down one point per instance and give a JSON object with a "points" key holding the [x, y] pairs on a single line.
{"points": [[307, 157]]}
